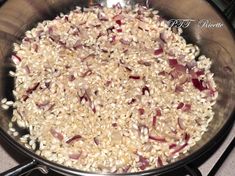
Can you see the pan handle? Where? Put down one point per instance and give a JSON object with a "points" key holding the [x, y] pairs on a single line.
{"points": [[193, 171], [25, 169]]}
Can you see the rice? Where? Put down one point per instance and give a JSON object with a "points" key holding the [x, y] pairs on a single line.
{"points": [[111, 90]]}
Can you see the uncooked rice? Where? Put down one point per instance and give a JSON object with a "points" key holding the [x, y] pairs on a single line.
{"points": [[110, 90]]}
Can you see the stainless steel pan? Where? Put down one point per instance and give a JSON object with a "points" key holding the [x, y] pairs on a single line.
{"points": [[217, 43]]}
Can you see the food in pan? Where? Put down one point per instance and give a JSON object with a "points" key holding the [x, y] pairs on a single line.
{"points": [[111, 90]]}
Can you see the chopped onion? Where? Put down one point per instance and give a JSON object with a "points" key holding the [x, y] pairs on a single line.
{"points": [[125, 169], [125, 42], [157, 138], [16, 59], [141, 111], [186, 137], [200, 72], [134, 77], [144, 163], [73, 139], [179, 148], [102, 17], [86, 73], [75, 156], [162, 73], [71, 78], [133, 100], [163, 37], [180, 123], [186, 108], [145, 63], [178, 89], [159, 162], [180, 105], [27, 70], [158, 51], [119, 22], [154, 121], [198, 84], [172, 146], [145, 90], [158, 112], [33, 88], [56, 134], [97, 142], [173, 62]]}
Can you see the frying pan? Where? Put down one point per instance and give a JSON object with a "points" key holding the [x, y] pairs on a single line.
{"points": [[218, 43]]}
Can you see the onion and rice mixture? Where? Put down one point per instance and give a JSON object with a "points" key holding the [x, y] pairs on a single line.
{"points": [[111, 90]]}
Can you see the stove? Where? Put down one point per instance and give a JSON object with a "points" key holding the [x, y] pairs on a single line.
{"points": [[219, 161]]}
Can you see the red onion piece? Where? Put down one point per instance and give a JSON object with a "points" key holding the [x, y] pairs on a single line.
{"points": [[159, 162], [145, 90], [35, 47], [125, 42], [110, 30], [157, 138], [125, 169], [117, 17], [133, 100], [180, 105], [162, 73], [107, 83], [180, 123], [112, 39], [191, 64], [158, 51], [173, 62], [180, 68], [86, 73], [141, 111], [171, 146], [33, 88], [134, 77], [178, 89], [56, 134], [25, 97], [163, 37], [73, 139], [186, 137], [186, 108], [101, 16], [96, 140], [145, 63], [16, 59], [119, 22], [200, 72], [128, 69], [179, 148], [114, 124], [144, 163], [77, 45], [154, 121], [89, 56], [27, 70], [158, 112], [71, 78], [119, 30], [198, 84], [75, 156], [43, 104]]}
